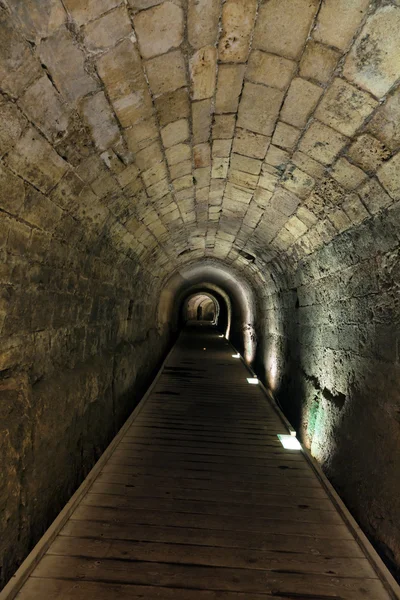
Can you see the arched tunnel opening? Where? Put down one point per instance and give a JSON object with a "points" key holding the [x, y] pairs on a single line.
{"points": [[233, 163]]}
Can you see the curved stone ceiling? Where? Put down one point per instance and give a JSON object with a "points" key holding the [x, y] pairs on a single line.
{"points": [[243, 131]]}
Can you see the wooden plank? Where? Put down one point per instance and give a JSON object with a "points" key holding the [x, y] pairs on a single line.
{"points": [[303, 513], [275, 542], [212, 557], [211, 522], [197, 577]]}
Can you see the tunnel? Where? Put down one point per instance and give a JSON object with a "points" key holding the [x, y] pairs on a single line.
{"points": [[177, 169]]}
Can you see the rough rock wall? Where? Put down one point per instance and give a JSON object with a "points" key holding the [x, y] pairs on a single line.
{"points": [[333, 337], [77, 347]]}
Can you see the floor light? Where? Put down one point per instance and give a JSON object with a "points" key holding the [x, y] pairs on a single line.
{"points": [[252, 380], [289, 442], [236, 355]]}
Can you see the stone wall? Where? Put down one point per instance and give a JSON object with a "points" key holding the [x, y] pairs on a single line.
{"points": [[78, 345], [332, 353]]}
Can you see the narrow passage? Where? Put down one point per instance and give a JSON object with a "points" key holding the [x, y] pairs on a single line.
{"points": [[199, 501]]}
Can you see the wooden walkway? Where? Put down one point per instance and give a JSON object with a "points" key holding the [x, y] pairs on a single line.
{"points": [[199, 501]]}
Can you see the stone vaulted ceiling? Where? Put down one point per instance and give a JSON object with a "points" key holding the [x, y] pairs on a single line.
{"points": [[183, 129]]}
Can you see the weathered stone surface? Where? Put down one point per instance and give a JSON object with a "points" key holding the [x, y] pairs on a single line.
{"points": [[322, 143], [202, 67], [159, 29], [202, 21], [45, 108], [66, 63], [344, 107], [373, 60], [285, 136], [269, 69], [259, 108], [389, 176], [250, 143], [97, 111], [174, 133], [201, 155], [39, 19], [374, 196], [141, 135], [283, 25], [12, 192], [173, 106], [223, 126], [108, 30], [237, 25], [348, 175], [318, 62], [178, 153], [385, 124], [82, 12], [201, 120], [300, 101], [12, 123], [368, 152], [338, 21], [35, 160], [166, 73], [229, 87], [297, 181]]}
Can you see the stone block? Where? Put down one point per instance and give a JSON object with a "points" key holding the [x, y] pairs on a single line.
{"points": [[385, 124], [283, 26], [38, 210], [269, 69], [101, 120], [322, 143], [66, 63], [338, 21], [344, 107], [237, 26], [34, 159], [389, 176], [143, 4], [347, 175], [166, 73], [374, 57], [201, 155], [172, 106], [201, 120], [229, 87], [202, 67], [155, 174], [259, 108], [251, 144], [368, 152], [174, 133], [18, 67], [146, 158], [220, 167], [141, 135], [318, 62], [374, 196], [308, 165], [221, 148], [122, 74], [300, 101], [183, 182], [245, 180], [355, 209], [306, 216], [202, 22], [40, 19], [285, 202], [182, 168], [12, 123], [108, 30], [44, 106], [223, 126], [276, 157], [12, 192], [339, 220], [83, 12], [285, 135], [178, 154], [246, 164], [296, 227], [297, 181], [159, 29]]}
